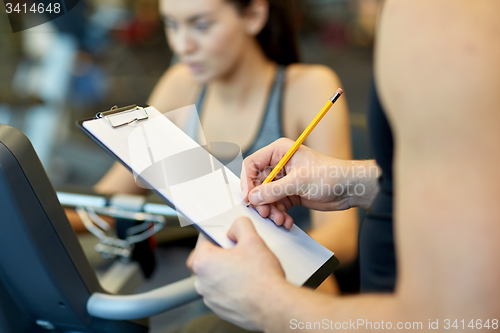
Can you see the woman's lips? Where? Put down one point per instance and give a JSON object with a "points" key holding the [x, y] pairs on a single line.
{"points": [[195, 68]]}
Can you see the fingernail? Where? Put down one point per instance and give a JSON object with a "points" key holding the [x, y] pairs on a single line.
{"points": [[272, 217], [256, 198]]}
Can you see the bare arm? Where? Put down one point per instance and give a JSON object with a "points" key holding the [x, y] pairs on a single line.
{"points": [[447, 128], [446, 123], [440, 89]]}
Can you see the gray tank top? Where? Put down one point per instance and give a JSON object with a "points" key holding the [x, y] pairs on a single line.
{"points": [[270, 130]]}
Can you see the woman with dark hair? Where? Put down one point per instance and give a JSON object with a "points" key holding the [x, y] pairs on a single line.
{"points": [[238, 62]]}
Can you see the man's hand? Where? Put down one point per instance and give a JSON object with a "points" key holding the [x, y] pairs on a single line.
{"points": [[231, 281], [309, 179]]}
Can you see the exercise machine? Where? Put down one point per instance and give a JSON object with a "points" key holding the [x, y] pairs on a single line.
{"points": [[46, 282]]}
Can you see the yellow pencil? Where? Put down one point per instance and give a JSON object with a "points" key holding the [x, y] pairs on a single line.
{"points": [[302, 137]]}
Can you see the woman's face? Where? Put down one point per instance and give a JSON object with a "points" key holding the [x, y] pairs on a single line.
{"points": [[209, 36]]}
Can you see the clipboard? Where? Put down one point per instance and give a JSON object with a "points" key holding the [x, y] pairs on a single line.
{"points": [[134, 130]]}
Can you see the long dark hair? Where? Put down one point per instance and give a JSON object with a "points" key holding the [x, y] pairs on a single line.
{"points": [[277, 39]]}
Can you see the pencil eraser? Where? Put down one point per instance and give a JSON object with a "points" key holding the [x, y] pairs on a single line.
{"points": [[340, 91]]}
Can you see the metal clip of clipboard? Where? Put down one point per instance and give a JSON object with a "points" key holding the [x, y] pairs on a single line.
{"points": [[127, 115]]}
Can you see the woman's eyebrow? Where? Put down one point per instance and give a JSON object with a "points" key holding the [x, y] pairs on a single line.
{"points": [[190, 19], [198, 16]]}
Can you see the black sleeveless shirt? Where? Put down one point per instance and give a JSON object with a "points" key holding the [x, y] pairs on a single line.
{"points": [[376, 242]]}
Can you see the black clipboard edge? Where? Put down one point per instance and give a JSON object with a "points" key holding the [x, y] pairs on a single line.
{"points": [[313, 282], [322, 273]]}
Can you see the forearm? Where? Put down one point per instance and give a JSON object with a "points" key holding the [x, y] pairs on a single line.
{"points": [[290, 309], [118, 180]]}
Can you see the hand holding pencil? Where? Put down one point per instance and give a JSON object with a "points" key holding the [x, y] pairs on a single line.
{"points": [[303, 136], [253, 167]]}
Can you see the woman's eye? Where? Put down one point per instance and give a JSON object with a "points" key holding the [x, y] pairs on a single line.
{"points": [[170, 24], [202, 25]]}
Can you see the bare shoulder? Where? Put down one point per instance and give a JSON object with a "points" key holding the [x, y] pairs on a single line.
{"points": [[309, 77], [460, 65], [175, 89], [308, 87]]}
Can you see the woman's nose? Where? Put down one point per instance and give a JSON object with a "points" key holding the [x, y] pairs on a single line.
{"points": [[184, 43]]}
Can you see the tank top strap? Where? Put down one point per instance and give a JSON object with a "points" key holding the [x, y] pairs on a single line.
{"points": [[192, 124], [201, 99], [271, 127]]}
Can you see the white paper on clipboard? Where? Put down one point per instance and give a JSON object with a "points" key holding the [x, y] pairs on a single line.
{"points": [[204, 191]]}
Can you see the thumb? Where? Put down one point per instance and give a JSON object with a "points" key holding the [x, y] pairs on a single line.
{"points": [[242, 229], [274, 191]]}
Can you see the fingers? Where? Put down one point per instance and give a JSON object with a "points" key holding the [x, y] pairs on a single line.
{"points": [[189, 261], [255, 164], [288, 221], [278, 216], [277, 212], [203, 247], [263, 210], [282, 206], [191, 257], [252, 169], [275, 191], [242, 230]]}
